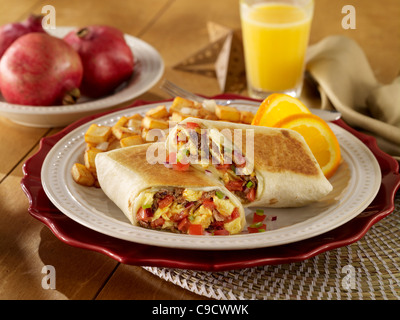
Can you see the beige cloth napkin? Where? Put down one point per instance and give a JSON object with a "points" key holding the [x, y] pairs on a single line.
{"points": [[347, 83]]}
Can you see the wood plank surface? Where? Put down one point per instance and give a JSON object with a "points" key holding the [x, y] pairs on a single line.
{"points": [[177, 29]]}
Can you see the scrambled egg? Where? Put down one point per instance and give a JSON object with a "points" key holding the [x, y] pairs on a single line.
{"points": [[202, 216], [235, 226], [224, 206], [191, 195], [148, 199], [167, 212], [164, 213]]}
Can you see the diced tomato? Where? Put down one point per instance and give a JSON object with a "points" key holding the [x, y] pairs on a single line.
{"points": [[181, 215], [192, 125], [251, 195], [209, 204], [234, 185], [222, 232], [196, 229], [235, 214], [144, 214], [181, 166], [166, 201], [252, 230], [256, 229], [258, 217], [157, 223], [183, 225]]}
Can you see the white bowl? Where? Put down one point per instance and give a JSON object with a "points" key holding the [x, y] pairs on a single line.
{"points": [[149, 68]]}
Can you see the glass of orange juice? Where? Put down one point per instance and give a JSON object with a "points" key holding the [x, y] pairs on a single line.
{"points": [[275, 40]]}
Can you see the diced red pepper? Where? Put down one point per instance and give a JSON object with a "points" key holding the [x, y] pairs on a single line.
{"points": [[234, 185], [258, 217], [209, 204], [222, 232], [144, 214], [192, 125], [183, 225], [166, 201], [235, 214], [195, 229], [181, 215], [251, 195], [157, 223], [257, 229]]}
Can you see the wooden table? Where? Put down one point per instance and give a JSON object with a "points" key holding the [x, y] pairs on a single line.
{"points": [[177, 29]]}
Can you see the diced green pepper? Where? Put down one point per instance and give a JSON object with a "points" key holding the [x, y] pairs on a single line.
{"points": [[219, 194], [256, 225], [259, 212]]}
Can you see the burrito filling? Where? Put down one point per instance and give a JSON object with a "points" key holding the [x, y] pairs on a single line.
{"points": [[189, 211], [228, 165]]}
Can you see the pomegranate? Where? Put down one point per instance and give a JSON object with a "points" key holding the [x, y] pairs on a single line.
{"points": [[107, 60], [34, 23], [12, 31], [40, 70]]}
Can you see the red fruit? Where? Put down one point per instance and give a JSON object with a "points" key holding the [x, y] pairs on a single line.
{"points": [[34, 23], [40, 70], [12, 31], [107, 60]]}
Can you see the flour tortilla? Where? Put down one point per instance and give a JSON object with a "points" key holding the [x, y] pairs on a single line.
{"points": [[125, 174], [288, 173]]}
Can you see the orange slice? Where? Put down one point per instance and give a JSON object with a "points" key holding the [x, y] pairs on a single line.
{"points": [[276, 107], [319, 137]]}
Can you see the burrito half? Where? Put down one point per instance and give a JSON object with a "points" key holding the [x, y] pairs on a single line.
{"points": [[262, 166], [156, 197]]}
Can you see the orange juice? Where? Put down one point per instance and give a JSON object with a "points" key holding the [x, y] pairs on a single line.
{"points": [[275, 39]]}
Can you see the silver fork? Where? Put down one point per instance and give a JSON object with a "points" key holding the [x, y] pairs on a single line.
{"points": [[176, 91]]}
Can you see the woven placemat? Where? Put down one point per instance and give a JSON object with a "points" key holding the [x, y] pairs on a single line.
{"points": [[366, 270]]}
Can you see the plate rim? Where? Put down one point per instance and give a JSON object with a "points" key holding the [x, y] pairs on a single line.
{"points": [[66, 230]]}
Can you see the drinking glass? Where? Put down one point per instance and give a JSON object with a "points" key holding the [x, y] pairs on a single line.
{"points": [[275, 40]]}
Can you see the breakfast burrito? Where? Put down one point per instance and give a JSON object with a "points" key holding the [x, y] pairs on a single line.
{"points": [[261, 166], [153, 196]]}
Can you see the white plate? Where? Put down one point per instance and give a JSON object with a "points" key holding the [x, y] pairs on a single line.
{"points": [[149, 68], [355, 185]]}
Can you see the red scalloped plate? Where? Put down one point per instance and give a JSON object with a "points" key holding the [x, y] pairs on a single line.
{"points": [[73, 233]]}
